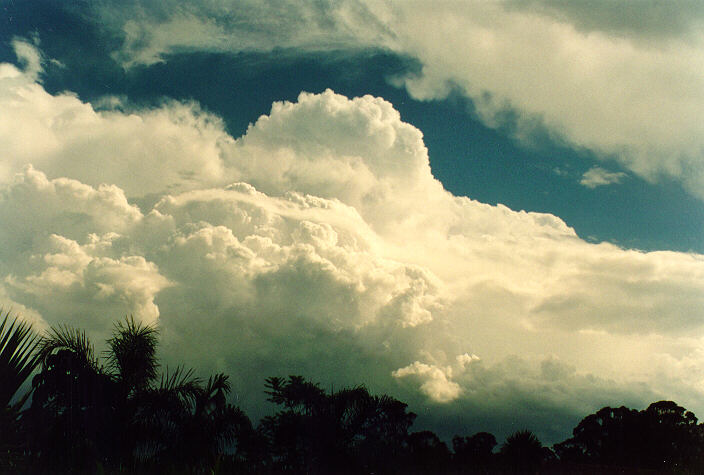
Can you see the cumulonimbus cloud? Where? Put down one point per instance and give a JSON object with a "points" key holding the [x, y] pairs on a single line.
{"points": [[319, 243]]}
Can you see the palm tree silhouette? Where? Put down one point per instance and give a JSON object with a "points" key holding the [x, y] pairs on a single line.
{"points": [[123, 415], [523, 452]]}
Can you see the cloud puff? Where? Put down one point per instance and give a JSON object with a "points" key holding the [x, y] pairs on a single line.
{"points": [[33, 207], [75, 278], [319, 243], [435, 381], [621, 80], [597, 176], [355, 150]]}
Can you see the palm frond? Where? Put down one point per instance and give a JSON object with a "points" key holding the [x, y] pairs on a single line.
{"points": [[181, 383], [220, 383], [65, 337], [132, 354], [214, 394], [18, 356], [274, 385]]}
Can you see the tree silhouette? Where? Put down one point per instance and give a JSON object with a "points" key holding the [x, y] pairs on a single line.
{"points": [[474, 454], [347, 431], [664, 436], [426, 453], [195, 426], [672, 438], [523, 453], [132, 355], [122, 413], [86, 416], [611, 436], [72, 411]]}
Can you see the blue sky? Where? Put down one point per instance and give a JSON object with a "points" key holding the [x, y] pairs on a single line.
{"points": [[586, 119]]}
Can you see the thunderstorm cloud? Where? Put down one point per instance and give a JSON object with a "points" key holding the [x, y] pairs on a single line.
{"points": [[319, 242]]}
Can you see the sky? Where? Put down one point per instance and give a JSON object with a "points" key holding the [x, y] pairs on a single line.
{"points": [[492, 211]]}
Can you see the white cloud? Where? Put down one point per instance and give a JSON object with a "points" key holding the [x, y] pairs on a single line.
{"points": [[357, 151], [597, 176], [63, 136], [70, 277], [32, 208], [435, 381], [636, 101], [319, 243], [623, 80]]}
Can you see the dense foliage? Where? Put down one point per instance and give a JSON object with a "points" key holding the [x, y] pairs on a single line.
{"points": [[123, 415]]}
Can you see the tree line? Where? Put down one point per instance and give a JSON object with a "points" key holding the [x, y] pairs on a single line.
{"points": [[121, 414]]}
